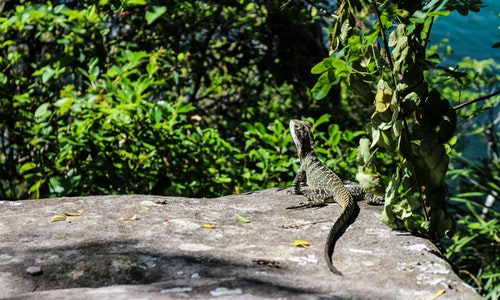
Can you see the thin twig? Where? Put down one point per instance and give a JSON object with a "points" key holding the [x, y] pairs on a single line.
{"points": [[384, 38], [323, 10], [476, 100]]}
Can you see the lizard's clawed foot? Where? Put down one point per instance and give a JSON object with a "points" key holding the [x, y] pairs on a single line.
{"points": [[308, 204]]}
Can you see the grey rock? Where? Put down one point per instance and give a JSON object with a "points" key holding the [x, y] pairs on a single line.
{"points": [[152, 247], [34, 270]]}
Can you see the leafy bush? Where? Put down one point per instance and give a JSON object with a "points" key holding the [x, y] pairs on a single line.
{"points": [[145, 96], [474, 194], [474, 249], [115, 139]]}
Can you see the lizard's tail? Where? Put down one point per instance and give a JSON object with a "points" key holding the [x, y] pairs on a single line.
{"points": [[335, 233]]}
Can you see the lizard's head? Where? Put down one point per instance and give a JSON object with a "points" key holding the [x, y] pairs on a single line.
{"points": [[302, 137]]}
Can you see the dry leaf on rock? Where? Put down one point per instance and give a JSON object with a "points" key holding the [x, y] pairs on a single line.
{"points": [[301, 243], [73, 214], [243, 219], [133, 218], [58, 218]]}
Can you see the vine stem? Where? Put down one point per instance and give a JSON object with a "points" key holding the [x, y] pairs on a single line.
{"points": [[384, 39]]}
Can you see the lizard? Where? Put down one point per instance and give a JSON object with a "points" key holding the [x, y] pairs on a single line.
{"points": [[324, 185]]}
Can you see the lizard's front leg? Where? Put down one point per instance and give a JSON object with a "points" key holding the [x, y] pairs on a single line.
{"points": [[297, 180]]}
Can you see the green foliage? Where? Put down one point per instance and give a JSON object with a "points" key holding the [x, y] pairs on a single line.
{"points": [[411, 119], [113, 139], [335, 147], [475, 247], [147, 96], [268, 153], [271, 161], [474, 199]]}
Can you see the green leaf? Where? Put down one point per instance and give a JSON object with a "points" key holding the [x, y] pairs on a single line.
{"points": [[43, 111], [48, 72], [157, 12], [56, 186], [135, 2], [322, 87], [323, 66], [64, 104], [35, 188], [27, 167], [243, 219], [323, 119], [184, 107], [442, 13]]}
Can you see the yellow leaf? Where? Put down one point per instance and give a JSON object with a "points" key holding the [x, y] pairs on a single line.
{"points": [[301, 243], [57, 218], [383, 100], [243, 219], [439, 293], [72, 214], [209, 226]]}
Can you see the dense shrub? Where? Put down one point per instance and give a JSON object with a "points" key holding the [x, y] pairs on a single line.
{"points": [[148, 96]]}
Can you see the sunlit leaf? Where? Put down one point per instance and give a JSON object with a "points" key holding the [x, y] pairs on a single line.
{"points": [[43, 111], [438, 293], [243, 219], [27, 167], [135, 2], [133, 218], [157, 12], [58, 218], [322, 87], [301, 243], [323, 66], [72, 214]]}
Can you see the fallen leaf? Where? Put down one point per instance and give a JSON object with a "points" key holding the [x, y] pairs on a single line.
{"points": [[133, 218], [301, 243], [72, 214], [243, 219], [209, 226], [439, 293], [57, 218]]}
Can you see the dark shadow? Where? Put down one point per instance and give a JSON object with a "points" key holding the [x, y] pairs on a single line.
{"points": [[100, 264]]}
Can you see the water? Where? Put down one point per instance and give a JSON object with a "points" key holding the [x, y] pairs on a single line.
{"points": [[472, 35]]}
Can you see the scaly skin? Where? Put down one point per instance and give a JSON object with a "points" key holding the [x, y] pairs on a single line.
{"points": [[324, 184]]}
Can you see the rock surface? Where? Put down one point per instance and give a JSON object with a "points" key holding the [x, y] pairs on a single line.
{"points": [[151, 247]]}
